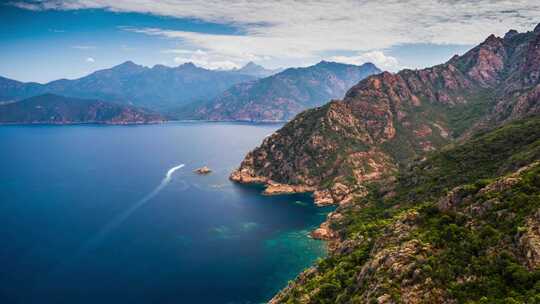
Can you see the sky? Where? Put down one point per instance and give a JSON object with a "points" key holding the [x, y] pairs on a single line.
{"points": [[44, 40]]}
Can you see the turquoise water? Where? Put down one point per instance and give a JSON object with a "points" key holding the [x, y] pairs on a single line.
{"points": [[94, 214]]}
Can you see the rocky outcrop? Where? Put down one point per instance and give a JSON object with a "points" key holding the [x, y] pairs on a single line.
{"points": [[324, 232], [246, 176], [203, 170], [454, 199], [529, 242], [274, 188]]}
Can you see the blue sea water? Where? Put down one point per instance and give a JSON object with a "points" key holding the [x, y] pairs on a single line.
{"points": [[89, 214]]}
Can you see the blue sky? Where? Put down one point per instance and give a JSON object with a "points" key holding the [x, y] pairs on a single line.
{"points": [[50, 39]]}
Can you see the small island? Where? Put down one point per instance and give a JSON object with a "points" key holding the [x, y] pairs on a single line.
{"points": [[203, 170]]}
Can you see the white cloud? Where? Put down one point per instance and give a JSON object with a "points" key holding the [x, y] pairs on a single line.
{"points": [[213, 65], [306, 29], [203, 59], [376, 57], [90, 60]]}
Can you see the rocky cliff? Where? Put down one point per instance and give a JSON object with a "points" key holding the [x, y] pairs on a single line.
{"points": [[281, 96], [387, 119]]}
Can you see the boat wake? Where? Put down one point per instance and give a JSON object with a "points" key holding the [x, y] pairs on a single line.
{"points": [[95, 241]]}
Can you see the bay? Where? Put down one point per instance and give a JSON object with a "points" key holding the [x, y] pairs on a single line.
{"points": [[89, 215]]}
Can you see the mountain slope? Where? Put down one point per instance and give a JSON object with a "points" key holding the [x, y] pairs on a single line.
{"points": [[283, 95], [13, 90], [412, 240], [157, 88], [55, 109], [387, 119]]}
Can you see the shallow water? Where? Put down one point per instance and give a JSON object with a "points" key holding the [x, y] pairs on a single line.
{"points": [[90, 215]]}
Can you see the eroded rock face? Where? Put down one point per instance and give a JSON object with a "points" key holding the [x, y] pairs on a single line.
{"points": [[529, 242], [453, 199], [246, 176], [324, 232], [274, 188]]}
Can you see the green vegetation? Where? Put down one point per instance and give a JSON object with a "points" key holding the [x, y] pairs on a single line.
{"points": [[484, 253], [484, 156], [470, 253]]}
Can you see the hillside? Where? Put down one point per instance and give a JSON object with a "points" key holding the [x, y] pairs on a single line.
{"points": [[387, 119], [55, 109], [157, 88], [281, 96], [460, 226]]}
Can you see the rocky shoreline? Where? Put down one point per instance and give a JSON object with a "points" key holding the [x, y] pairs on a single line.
{"points": [[321, 198]]}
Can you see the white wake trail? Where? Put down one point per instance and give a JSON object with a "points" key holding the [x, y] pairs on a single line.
{"points": [[98, 238], [170, 173], [119, 219]]}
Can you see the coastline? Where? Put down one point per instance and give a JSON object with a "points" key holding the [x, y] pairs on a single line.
{"points": [[324, 232], [85, 123]]}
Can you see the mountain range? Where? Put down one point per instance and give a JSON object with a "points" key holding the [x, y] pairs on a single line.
{"points": [[55, 109], [436, 177], [157, 88], [191, 92], [281, 96]]}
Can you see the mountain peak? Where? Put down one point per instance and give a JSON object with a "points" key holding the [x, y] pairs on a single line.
{"points": [[128, 63], [251, 64], [537, 28], [251, 68], [128, 66], [510, 34], [323, 62], [369, 65], [187, 65], [491, 39]]}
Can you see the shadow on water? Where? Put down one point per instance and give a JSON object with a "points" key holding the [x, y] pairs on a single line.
{"points": [[257, 189]]}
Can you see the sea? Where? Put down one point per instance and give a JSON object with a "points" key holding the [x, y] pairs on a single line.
{"points": [[115, 214]]}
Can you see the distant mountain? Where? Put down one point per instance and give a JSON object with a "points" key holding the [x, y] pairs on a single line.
{"points": [[157, 88], [283, 95], [256, 70], [13, 90], [55, 109]]}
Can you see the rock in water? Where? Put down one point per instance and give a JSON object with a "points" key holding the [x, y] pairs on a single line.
{"points": [[203, 170]]}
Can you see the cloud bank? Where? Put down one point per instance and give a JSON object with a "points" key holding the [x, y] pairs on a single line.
{"points": [[307, 29]]}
